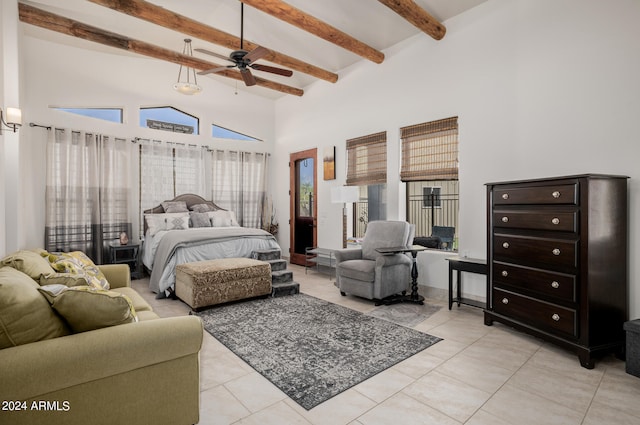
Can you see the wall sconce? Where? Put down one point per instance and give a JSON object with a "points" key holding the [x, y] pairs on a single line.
{"points": [[13, 119]]}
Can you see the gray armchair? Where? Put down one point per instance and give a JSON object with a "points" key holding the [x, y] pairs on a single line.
{"points": [[366, 273]]}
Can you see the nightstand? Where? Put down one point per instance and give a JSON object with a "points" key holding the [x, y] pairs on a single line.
{"points": [[126, 254]]}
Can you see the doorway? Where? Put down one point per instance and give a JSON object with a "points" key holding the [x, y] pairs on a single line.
{"points": [[303, 200]]}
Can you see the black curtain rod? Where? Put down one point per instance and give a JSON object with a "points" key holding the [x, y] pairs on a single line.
{"points": [[31, 124]]}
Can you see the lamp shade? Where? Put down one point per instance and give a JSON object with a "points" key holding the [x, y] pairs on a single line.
{"points": [[14, 116], [344, 194]]}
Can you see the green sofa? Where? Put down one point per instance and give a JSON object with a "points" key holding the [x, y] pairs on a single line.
{"points": [[145, 372]]}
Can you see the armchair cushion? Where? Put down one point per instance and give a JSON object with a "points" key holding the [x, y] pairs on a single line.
{"points": [[384, 234], [364, 270]]}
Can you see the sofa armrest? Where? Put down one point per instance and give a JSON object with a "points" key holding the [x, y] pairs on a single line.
{"points": [[32, 370], [347, 254], [118, 275]]}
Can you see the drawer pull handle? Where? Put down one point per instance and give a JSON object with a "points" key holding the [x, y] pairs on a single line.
{"points": [[505, 245], [556, 251], [555, 317], [556, 194], [505, 219], [555, 220], [555, 285], [505, 301], [505, 273], [505, 196]]}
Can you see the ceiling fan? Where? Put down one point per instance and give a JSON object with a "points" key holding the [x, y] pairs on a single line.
{"points": [[244, 59]]}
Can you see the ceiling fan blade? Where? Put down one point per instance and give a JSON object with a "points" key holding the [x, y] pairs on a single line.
{"points": [[273, 70], [208, 52], [256, 54], [248, 77], [214, 70]]}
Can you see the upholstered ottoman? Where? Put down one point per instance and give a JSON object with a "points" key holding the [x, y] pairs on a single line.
{"points": [[205, 283]]}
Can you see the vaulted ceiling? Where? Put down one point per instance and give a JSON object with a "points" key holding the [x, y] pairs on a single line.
{"points": [[314, 39]]}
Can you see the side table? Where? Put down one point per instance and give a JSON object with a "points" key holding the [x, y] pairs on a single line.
{"points": [[414, 297], [319, 257], [469, 265], [126, 254]]}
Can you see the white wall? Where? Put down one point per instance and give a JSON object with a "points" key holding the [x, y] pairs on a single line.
{"points": [[71, 76], [544, 88]]}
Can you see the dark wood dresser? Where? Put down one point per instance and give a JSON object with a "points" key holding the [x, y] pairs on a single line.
{"points": [[557, 258]]}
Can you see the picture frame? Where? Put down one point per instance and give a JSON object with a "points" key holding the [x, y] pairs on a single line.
{"points": [[329, 163]]}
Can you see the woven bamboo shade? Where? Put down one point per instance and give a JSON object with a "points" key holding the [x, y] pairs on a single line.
{"points": [[430, 151], [367, 160]]}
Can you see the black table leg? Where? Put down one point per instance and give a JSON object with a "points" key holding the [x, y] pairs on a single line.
{"points": [[415, 297]]}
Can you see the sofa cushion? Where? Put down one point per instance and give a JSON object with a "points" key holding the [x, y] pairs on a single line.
{"points": [[77, 262], [138, 302], [25, 316], [358, 269], [86, 308], [28, 262]]}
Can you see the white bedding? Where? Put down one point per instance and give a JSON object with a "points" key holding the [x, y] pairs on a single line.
{"points": [[218, 243]]}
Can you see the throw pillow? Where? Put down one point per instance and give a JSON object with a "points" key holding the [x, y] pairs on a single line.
{"points": [[174, 206], [155, 223], [223, 218], [199, 219], [28, 262], [178, 221], [25, 316], [77, 262], [86, 308], [66, 279], [202, 208]]}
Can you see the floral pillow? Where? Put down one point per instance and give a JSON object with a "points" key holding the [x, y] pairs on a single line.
{"points": [[78, 263]]}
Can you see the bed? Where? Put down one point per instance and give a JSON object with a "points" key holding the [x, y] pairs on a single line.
{"points": [[176, 232]]}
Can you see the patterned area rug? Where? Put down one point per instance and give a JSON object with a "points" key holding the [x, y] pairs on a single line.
{"points": [[309, 348], [407, 315]]}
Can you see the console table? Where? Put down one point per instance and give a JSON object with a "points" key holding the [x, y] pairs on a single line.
{"points": [[469, 265], [414, 297]]}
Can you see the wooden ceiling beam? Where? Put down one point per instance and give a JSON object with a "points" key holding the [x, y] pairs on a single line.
{"points": [[160, 16], [41, 18], [419, 17], [313, 25]]}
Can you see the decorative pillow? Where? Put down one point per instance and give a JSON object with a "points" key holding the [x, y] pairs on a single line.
{"points": [[155, 223], [174, 206], [66, 279], [174, 221], [177, 221], [199, 219], [201, 208], [86, 308], [222, 218], [29, 263], [78, 263], [25, 316]]}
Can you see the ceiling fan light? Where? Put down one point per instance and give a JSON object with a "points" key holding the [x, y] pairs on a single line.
{"points": [[187, 88]]}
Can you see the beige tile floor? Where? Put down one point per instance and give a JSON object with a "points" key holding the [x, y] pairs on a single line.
{"points": [[477, 375]]}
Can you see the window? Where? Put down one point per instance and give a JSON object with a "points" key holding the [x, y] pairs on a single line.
{"points": [[168, 118], [367, 160], [431, 197], [107, 114], [430, 170], [224, 133]]}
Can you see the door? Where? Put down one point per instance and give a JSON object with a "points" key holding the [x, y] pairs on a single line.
{"points": [[303, 200]]}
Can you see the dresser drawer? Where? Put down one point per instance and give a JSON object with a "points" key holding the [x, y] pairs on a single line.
{"points": [[546, 195], [552, 252], [558, 285], [536, 220], [538, 313]]}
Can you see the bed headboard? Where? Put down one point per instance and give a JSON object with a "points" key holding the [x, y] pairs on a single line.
{"points": [[189, 198]]}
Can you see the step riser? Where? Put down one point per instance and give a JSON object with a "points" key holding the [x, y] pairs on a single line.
{"points": [[284, 289], [272, 254], [281, 277], [278, 265]]}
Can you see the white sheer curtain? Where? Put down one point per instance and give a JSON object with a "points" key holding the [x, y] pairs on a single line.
{"points": [[87, 191], [239, 184], [168, 169]]}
